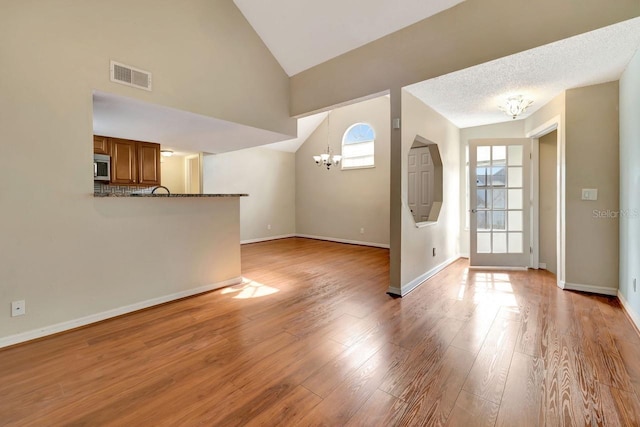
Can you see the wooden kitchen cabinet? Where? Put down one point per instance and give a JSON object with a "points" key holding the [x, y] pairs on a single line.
{"points": [[148, 163], [134, 162], [101, 145]]}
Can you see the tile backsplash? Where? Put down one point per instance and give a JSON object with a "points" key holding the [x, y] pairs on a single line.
{"points": [[99, 187]]}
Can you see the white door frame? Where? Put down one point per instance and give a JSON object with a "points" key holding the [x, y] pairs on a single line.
{"points": [[554, 124], [520, 260]]}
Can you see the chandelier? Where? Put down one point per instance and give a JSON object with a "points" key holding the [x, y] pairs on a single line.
{"points": [[515, 105], [327, 158]]}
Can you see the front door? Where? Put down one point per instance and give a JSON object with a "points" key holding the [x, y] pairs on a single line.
{"points": [[499, 173]]}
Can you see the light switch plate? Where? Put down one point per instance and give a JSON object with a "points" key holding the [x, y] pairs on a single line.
{"points": [[590, 194]]}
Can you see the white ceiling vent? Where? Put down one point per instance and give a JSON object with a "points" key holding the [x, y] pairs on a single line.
{"points": [[130, 76]]}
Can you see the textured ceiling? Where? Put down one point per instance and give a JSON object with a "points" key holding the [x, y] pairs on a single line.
{"points": [[470, 97], [303, 33]]}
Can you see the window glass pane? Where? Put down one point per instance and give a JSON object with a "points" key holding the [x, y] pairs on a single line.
{"points": [[483, 155], [361, 149], [515, 155], [484, 243], [483, 199], [357, 162], [499, 243], [499, 198], [515, 220], [361, 132], [499, 155], [498, 178], [515, 243], [515, 177], [499, 222], [482, 177], [482, 220], [515, 199]]}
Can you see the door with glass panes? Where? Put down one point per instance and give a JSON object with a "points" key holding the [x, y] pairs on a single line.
{"points": [[499, 174]]}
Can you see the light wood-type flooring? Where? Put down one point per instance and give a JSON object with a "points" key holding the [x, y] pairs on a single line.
{"points": [[312, 338]]}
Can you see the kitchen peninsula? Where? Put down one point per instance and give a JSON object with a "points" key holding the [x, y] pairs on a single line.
{"points": [[134, 195]]}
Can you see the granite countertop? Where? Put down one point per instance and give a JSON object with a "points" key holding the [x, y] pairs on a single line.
{"points": [[165, 195]]}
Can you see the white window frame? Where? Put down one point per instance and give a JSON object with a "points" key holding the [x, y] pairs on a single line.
{"points": [[344, 136]]}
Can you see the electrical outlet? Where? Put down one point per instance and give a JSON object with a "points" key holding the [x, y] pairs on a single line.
{"points": [[434, 251], [362, 230], [268, 226], [17, 308]]}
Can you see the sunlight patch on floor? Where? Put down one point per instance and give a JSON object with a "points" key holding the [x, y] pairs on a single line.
{"points": [[250, 289], [488, 287]]}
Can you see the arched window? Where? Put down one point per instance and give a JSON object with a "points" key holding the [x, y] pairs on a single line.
{"points": [[358, 147]]}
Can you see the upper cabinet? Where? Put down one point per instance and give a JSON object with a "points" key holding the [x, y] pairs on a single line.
{"points": [[148, 163], [101, 145], [124, 167], [132, 162]]}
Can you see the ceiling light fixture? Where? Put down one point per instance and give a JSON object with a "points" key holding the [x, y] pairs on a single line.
{"points": [[327, 158], [166, 153], [515, 105]]}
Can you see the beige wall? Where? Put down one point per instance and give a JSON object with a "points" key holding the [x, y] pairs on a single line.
{"points": [[548, 203], [172, 174], [70, 255], [337, 203], [268, 176], [629, 184], [592, 157], [418, 243]]}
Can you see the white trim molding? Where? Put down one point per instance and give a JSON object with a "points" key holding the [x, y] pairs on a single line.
{"points": [[266, 239], [350, 242], [497, 267], [404, 290], [98, 317], [542, 265], [635, 317], [588, 288]]}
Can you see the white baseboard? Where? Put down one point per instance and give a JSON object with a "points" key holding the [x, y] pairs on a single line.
{"points": [[351, 242], [266, 239], [464, 256], [635, 317], [420, 279], [98, 317], [589, 288], [542, 265], [497, 267]]}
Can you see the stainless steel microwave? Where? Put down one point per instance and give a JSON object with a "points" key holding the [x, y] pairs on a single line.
{"points": [[101, 167]]}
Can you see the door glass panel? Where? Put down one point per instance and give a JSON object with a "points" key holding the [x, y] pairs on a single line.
{"points": [[482, 221], [515, 221], [515, 199], [515, 155], [499, 243], [498, 178], [515, 177], [482, 177], [499, 222], [484, 243], [499, 198], [499, 155], [515, 243], [483, 198], [483, 155]]}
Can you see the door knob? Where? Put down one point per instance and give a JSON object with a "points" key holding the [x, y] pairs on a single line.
{"points": [[474, 210]]}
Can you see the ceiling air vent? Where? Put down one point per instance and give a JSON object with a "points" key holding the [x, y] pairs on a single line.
{"points": [[130, 76]]}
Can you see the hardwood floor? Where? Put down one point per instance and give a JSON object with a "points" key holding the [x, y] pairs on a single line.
{"points": [[311, 338]]}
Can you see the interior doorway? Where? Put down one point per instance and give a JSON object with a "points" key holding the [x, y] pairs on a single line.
{"points": [[548, 194]]}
